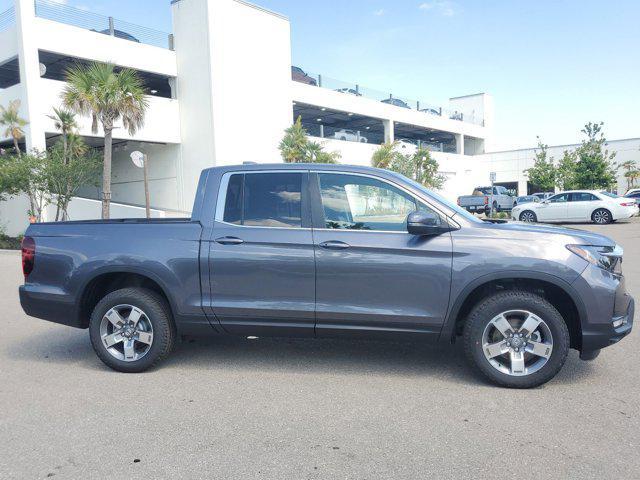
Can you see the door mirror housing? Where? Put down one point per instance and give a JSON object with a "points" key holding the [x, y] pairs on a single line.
{"points": [[426, 223]]}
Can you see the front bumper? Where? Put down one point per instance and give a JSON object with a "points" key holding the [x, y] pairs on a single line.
{"points": [[597, 336]]}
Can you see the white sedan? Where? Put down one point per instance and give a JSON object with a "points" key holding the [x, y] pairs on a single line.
{"points": [[577, 206]]}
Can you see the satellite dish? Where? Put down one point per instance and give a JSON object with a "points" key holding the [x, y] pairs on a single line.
{"points": [[137, 158], [43, 69]]}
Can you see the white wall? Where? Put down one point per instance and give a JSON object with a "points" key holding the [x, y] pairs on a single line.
{"points": [[8, 44], [234, 63], [162, 121]]}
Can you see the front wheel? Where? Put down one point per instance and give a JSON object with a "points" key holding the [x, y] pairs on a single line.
{"points": [[516, 339], [528, 216], [131, 329], [602, 216]]}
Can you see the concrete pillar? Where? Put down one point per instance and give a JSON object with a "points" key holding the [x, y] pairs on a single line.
{"points": [[30, 75], [389, 134], [459, 144]]}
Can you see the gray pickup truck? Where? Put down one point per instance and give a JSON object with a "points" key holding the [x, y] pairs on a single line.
{"points": [[484, 199], [330, 250]]}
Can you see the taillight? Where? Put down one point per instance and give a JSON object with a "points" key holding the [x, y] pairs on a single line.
{"points": [[628, 204], [486, 200], [28, 255]]}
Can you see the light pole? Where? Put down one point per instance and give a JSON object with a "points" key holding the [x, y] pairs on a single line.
{"points": [[140, 160]]}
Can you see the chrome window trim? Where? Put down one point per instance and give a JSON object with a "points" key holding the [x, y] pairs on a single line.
{"points": [[222, 198]]}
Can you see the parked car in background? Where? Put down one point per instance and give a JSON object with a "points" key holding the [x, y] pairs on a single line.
{"points": [[544, 195], [578, 206], [349, 135], [526, 199], [350, 91], [396, 102], [632, 190], [431, 111], [634, 194], [483, 199], [316, 250], [299, 75]]}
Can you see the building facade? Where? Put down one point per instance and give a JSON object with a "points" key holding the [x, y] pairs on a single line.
{"points": [[221, 91]]}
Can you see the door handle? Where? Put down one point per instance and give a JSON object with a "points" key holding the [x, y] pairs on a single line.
{"points": [[334, 245], [229, 240]]}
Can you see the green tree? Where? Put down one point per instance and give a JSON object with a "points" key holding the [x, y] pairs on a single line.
{"points": [[594, 168], [631, 172], [565, 172], [26, 174], [13, 123], [419, 166], [107, 95], [543, 173], [65, 122], [66, 173], [295, 147]]}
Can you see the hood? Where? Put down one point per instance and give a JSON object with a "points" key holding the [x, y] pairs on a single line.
{"points": [[581, 236]]}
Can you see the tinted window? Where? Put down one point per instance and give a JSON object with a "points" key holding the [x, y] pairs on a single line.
{"points": [[233, 204], [633, 195], [264, 199], [363, 203], [583, 197], [612, 195], [559, 198]]}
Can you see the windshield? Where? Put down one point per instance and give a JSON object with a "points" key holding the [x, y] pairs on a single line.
{"points": [[458, 211]]}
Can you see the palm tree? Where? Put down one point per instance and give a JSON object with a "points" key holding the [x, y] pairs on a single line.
{"points": [[65, 121], [10, 118], [108, 95], [630, 172]]}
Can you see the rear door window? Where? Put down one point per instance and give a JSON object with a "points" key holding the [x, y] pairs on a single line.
{"points": [[264, 199]]}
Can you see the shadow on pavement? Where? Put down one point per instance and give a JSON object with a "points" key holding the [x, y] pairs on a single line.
{"points": [[298, 356]]}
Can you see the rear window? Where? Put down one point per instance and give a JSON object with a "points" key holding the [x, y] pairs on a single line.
{"points": [[612, 195]]}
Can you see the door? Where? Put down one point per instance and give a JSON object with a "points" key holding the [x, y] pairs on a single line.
{"points": [[554, 209], [372, 277], [261, 255], [581, 206]]}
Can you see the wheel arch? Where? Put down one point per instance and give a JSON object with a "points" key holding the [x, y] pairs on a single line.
{"points": [[556, 290], [106, 281]]}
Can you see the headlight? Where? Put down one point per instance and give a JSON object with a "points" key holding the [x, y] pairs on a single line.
{"points": [[607, 258]]}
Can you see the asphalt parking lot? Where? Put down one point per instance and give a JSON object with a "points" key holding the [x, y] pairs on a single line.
{"points": [[307, 409]]}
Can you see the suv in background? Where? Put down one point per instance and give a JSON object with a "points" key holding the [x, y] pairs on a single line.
{"points": [[349, 135]]}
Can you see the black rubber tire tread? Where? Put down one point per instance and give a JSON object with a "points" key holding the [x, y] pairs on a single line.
{"points": [[500, 302], [159, 314]]}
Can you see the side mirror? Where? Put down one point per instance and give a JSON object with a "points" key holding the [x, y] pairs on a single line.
{"points": [[425, 223], [546, 202]]}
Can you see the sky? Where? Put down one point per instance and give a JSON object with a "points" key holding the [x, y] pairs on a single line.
{"points": [[550, 65]]}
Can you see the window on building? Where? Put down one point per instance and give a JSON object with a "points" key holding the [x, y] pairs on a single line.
{"points": [[264, 199], [356, 202]]}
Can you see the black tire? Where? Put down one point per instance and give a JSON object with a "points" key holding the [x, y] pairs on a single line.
{"points": [[491, 307], [159, 315], [602, 216], [523, 217]]}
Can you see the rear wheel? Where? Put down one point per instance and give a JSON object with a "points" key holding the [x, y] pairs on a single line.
{"points": [[602, 216], [131, 329], [528, 216], [516, 339]]}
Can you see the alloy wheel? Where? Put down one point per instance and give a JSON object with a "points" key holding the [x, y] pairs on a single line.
{"points": [[126, 333], [601, 216], [527, 217], [517, 343]]}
